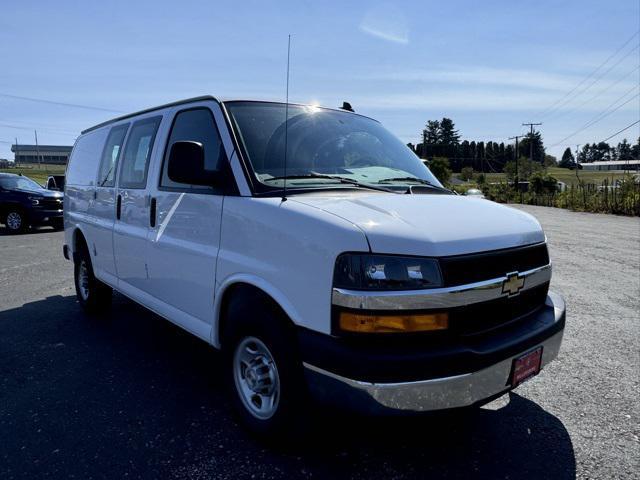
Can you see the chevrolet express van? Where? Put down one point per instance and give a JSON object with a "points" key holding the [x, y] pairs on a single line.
{"points": [[316, 251]]}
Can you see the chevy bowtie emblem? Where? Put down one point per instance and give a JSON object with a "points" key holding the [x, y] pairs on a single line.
{"points": [[513, 284]]}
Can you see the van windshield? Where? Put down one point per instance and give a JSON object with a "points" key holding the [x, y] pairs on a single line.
{"points": [[323, 146]]}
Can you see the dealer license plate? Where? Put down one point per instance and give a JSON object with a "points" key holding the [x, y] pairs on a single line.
{"points": [[526, 366]]}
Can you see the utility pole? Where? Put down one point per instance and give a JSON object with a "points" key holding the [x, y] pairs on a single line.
{"points": [[15, 163], [531, 139], [37, 148], [516, 184], [577, 161]]}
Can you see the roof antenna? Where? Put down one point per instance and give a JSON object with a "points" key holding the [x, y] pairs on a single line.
{"points": [[286, 124], [347, 106]]}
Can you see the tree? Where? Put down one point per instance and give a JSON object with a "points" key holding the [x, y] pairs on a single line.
{"points": [[542, 183], [624, 150], [448, 133], [509, 153], [568, 160], [526, 168], [439, 166], [466, 174], [430, 138], [538, 147], [411, 146], [585, 155], [550, 161], [635, 150]]}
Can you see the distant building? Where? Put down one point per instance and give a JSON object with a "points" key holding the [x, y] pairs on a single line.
{"points": [[47, 154], [618, 165]]}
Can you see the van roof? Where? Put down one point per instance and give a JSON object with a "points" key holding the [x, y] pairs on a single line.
{"points": [[197, 99], [147, 110]]}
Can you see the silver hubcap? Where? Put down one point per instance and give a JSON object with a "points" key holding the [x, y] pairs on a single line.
{"points": [[14, 220], [256, 378], [83, 280]]}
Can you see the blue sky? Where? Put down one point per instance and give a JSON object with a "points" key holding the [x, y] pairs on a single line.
{"points": [[487, 65]]}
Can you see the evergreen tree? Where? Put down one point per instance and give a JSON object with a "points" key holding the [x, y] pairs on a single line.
{"points": [[448, 133], [431, 138], [509, 154], [624, 150], [635, 150], [568, 160], [538, 147]]}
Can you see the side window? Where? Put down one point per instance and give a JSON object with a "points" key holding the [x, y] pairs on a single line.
{"points": [[196, 125], [112, 149], [137, 152]]}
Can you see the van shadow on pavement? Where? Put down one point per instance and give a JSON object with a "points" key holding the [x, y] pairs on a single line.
{"points": [[131, 394]]}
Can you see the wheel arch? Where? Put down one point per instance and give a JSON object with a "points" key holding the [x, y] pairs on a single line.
{"points": [[6, 206], [255, 289], [78, 240]]}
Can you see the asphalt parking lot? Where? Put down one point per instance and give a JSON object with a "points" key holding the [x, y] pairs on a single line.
{"points": [[133, 396]]}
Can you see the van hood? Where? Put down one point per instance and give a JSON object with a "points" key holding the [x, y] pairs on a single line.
{"points": [[430, 225]]}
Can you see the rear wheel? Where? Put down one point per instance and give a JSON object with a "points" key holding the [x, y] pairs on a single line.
{"points": [[93, 295], [15, 221]]}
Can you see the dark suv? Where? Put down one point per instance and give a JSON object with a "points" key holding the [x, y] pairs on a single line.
{"points": [[24, 203]]}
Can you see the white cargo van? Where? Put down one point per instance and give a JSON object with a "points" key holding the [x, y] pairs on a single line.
{"points": [[317, 251]]}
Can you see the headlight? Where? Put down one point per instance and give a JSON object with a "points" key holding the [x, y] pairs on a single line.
{"points": [[35, 200], [355, 271]]}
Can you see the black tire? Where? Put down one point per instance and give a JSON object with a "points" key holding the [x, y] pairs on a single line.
{"points": [[15, 220], [256, 318], [93, 295]]}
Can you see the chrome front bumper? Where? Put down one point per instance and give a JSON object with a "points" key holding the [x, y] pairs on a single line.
{"points": [[434, 394]]}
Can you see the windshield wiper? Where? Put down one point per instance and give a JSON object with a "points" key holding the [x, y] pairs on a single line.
{"points": [[338, 179], [414, 179]]}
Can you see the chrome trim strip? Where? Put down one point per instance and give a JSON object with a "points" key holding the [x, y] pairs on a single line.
{"points": [[436, 297], [436, 394]]}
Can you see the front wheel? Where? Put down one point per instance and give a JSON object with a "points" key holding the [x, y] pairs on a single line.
{"points": [[93, 295], [15, 221], [265, 376], [256, 378]]}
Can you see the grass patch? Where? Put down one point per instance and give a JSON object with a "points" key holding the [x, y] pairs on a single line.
{"points": [[568, 176]]}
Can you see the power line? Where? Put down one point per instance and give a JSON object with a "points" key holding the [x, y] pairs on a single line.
{"points": [[601, 116], [62, 104], [590, 99], [52, 130], [620, 131], [546, 110], [595, 80]]}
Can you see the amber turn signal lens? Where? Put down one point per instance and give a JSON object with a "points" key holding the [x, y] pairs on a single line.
{"points": [[374, 323]]}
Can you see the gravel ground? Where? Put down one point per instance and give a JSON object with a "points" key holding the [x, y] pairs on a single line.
{"points": [[133, 396]]}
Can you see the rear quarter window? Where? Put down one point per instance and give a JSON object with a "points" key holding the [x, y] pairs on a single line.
{"points": [[85, 158]]}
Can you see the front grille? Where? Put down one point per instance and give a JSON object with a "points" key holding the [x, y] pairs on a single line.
{"points": [[463, 269], [51, 204], [479, 318]]}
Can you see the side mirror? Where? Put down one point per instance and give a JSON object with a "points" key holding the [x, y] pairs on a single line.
{"points": [[186, 164]]}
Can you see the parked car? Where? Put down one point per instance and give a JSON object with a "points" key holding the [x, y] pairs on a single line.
{"points": [[55, 182], [24, 203], [298, 248], [474, 192]]}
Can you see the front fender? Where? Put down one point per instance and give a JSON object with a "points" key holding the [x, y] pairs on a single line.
{"points": [[249, 279]]}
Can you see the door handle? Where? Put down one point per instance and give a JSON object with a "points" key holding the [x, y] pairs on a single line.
{"points": [[118, 206], [152, 213]]}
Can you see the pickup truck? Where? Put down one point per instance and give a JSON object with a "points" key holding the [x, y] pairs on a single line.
{"points": [[25, 203], [317, 251]]}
